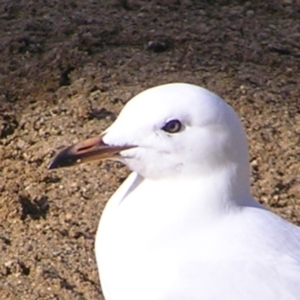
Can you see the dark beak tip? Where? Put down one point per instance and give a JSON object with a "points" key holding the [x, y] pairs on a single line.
{"points": [[62, 159], [52, 165], [55, 163]]}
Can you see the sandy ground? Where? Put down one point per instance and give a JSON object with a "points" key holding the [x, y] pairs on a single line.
{"points": [[66, 70]]}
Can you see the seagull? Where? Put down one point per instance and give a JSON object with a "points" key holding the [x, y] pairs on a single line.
{"points": [[183, 225]]}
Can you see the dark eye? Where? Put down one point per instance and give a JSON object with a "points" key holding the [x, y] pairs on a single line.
{"points": [[172, 126]]}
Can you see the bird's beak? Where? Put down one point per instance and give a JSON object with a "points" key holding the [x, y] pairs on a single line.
{"points": [[85, 151]]}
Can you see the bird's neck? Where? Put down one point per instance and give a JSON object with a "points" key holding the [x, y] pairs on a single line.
{"points": [[211, 195]]}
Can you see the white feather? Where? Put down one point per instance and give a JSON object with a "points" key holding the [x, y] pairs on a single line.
{"points": [[184, 225]]}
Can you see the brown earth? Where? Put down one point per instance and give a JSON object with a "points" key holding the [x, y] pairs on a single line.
{"points": [[66, 70]]}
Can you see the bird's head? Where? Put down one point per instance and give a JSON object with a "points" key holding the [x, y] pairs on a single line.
{"points": [[171, 130]]}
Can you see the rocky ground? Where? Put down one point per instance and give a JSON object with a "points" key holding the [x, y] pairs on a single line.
{"points": [[66, 70]]}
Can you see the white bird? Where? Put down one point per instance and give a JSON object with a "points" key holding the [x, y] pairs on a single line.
{"points": [[183, 225]]}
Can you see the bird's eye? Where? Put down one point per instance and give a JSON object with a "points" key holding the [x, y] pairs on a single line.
{"points": [[172, 126]]}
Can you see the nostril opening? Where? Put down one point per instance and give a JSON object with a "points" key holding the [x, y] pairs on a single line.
{"points": [[84, 148]]}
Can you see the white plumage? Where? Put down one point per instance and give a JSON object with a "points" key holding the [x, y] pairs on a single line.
{"points": [[184, 226]]}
